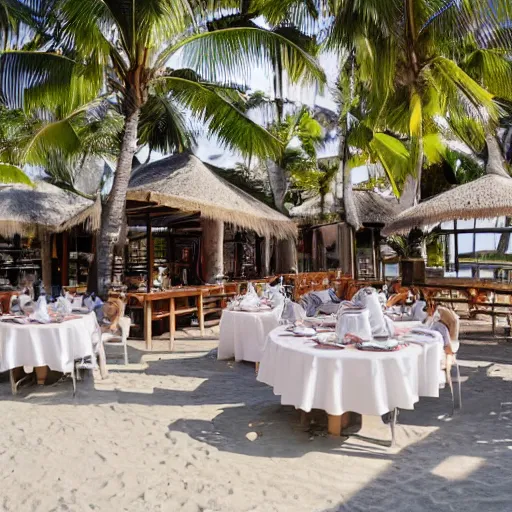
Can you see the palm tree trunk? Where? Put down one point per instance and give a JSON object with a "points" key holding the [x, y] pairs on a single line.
{"points": [[278, 184], [212, 249], [411, 194], [286, 250], [343, 181], [113, 210], [349, 204], [495, 160]]}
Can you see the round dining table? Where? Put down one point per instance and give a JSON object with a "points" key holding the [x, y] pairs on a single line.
{"points": [[242, 334], [309, 376], [56, 345]]}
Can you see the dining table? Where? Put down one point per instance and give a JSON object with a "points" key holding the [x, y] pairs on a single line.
{"points": [[347, 380], [242, 334], [57, 345]]}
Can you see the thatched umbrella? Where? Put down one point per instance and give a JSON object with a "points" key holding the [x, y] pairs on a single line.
{"points": [[41, 210], [182, 181], [372, 208], [486, 197]]}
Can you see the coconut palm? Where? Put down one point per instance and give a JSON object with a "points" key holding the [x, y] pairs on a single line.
{"points": [[428, 67], [124, 46]]}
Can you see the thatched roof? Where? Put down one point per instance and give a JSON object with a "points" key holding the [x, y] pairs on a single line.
{"points": [[182, 181], [23, 209], [372, 207], [487, 197]]}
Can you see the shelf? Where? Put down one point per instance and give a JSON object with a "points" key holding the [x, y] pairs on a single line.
{"points": [[160, 314], [184, 311], [210, 311]]}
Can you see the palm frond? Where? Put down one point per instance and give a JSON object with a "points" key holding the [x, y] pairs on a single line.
{"points": [[454, 79], [12, 174], [232, 128], [58, 135], [162, 126], [493, 70], [393, 156], [46, 76], [227, 53]]}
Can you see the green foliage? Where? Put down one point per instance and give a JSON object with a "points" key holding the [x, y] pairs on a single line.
{"points": [[12, 174], [122, 47]]}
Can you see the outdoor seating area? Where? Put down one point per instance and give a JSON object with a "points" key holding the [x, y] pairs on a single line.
{"points": [[255, 256]]}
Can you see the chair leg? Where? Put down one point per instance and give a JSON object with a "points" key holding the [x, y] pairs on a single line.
{"points": [[125, 346], [459, 384], [392, 425], [450, 383], [14, 386], [73, 378]]}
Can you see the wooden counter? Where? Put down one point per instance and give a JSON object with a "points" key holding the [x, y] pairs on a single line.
{"points": [[146, 300]]}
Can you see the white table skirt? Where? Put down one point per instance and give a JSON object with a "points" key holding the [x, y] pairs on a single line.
{"points": [[242, 334], [339, 381], [432, 355], [53, 345]]}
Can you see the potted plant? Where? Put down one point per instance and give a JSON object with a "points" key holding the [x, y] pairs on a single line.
{"points": [[409, 250]]}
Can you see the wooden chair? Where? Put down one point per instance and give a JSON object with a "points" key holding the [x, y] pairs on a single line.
{"points": [[452, 321]]}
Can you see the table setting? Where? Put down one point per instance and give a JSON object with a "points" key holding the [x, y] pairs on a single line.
{"points": [[37, 335], [357, 363], [246, 322]]}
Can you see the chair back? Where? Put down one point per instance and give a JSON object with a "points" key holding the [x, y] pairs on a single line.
{"points": [[451, 320], [113, 310]]}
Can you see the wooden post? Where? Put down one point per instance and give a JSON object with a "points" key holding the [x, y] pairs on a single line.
{"points": [[64, 275], [305, 418], [148, 320], [336, 424], [46, 261], [266, 257], [286, 252], [200, 313], [347, 250], [149, 252], [456, 248], [41, 374], [172, 322], [212, 248]]}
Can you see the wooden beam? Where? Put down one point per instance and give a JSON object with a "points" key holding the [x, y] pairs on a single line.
{"points": [[149, 253], [46, 261], [64, 276]]}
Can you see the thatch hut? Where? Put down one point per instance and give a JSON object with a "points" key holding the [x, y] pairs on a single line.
{"points": [[374, 211], [44, 207], [41, 210], [183, 183]]}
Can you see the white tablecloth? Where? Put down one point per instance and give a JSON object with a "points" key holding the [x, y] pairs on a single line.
{"points": [[339, 381], [431, 357], [53, 345], [242, 334]]}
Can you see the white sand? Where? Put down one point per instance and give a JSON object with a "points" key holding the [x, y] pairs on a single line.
{"points": [[169, 433]]}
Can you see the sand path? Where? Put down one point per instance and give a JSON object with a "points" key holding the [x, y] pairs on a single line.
{"points": [[169, 433]]}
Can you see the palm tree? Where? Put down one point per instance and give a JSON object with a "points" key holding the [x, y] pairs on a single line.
{"points": [[427, 68], [123, 47]]}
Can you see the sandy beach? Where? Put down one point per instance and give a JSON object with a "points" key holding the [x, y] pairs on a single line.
{"points": [[169, 433]]}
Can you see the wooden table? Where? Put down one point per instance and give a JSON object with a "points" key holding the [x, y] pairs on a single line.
{"points": [[171, 295], [476, 295]]}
